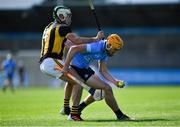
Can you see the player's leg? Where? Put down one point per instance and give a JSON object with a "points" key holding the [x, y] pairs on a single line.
{"points": [[11, 83], [83, 75], [76, 96], [67, 95], [53, 67], [95, 82], [87, 101], [22, 78], [5, 85], [48, 66], [69, 88], [92, 80]]}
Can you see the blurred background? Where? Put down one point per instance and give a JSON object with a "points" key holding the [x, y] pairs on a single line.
{"points": [[149, 28]]}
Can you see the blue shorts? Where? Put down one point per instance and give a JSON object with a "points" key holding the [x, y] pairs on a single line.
{"points": [[9, 76]]}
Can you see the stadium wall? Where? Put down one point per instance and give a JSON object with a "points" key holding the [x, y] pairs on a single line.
{"points": [[36, 18]]}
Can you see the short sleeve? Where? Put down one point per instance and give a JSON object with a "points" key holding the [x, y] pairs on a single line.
{"points": [[94, 47]]}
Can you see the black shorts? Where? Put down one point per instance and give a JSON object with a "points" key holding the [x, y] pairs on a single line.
{"points": [[84, 73]]}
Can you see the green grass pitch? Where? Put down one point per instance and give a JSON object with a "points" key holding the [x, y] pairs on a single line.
{"points": [[150, 106]]}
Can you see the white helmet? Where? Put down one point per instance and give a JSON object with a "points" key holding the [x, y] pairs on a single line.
{"points": [[63, 11]]}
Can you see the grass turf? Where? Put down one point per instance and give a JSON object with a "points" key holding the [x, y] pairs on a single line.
{"points": [[151, 106]]}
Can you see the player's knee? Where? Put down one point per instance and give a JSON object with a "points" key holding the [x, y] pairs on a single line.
{"points": [[108, 88], [77, 88]]}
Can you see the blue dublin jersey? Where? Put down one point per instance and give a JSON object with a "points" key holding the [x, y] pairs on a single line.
{"points": [[94, 51], [9, 67]]}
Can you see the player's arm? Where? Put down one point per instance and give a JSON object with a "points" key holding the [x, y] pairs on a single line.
{"points": [[84, 40], [104, 71], [71, 53]]}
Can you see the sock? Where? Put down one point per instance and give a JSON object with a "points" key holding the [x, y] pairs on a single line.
{"points": [[66, 103], [82, 106], [118, 113], [74, 110], [66, 106]]}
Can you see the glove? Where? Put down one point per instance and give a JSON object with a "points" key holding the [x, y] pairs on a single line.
{"points": [[120, 84]]}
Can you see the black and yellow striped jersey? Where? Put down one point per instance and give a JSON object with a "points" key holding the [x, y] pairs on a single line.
{"points": [[53, 41]]}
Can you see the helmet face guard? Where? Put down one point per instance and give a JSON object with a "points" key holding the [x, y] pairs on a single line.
{"points": [[62, 14]]}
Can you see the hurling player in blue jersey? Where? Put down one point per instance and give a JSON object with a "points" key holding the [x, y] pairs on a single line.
{"points": [[79, 58], [8, 66]]}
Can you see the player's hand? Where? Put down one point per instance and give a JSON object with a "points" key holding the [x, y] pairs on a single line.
{"points": [[120, 84], [100, 35]]}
